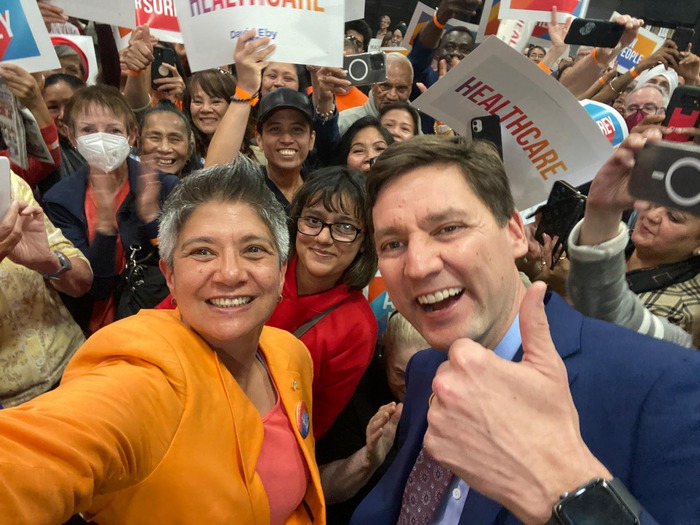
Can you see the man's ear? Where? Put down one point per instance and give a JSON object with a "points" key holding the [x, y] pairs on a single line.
{"points": [[516, 231]]}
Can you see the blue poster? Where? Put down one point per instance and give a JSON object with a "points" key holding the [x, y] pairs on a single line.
{"points": [[16, 39]]}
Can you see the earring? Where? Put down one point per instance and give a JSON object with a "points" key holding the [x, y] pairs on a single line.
{"points": [[696, 252], [173, 301], [279, 299]]}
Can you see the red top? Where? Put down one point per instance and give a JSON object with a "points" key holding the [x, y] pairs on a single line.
{"points": [[341, 344]]}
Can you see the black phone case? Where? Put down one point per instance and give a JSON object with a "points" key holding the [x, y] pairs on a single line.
{"points": [[596, 33], [683, 111], [488, 128], [682, 37], [161, 55], [564, 208]]}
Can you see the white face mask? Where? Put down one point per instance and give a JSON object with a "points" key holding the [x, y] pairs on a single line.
{"points": [[103, 151]]}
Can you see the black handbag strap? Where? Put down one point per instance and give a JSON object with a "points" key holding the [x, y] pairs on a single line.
{"points": [[308, 325]]}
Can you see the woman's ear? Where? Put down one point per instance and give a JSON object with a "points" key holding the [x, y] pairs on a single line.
{"points": [[133, 136]]}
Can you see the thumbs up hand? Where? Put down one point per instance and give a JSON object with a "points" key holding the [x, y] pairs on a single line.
{"points": [[511, 430]]}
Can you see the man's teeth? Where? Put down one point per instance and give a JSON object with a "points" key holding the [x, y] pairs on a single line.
{"points": [[436, 297], [227, 303]]}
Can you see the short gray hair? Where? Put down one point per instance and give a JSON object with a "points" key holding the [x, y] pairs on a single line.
{"points": [[402, 59], [664, 94], [240, 181]]}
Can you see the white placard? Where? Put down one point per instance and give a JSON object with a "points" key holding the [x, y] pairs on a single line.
{"points": [[644, 45], [547, 134], [541, 10], [354, 10], [114, 12], [304, 31], [24, 39]]}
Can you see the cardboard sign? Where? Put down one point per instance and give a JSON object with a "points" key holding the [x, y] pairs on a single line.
{"points": [[24, 39], [610, 122], [161, 18], [115, 12], [305, 31], [424, 14], [644, 45], [547, 134], [540, 10], [354, 10]]}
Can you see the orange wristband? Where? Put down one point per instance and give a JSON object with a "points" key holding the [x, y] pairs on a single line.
{"points": [[437, 22], [633, 73], [594, 56], [242, 95], [544, 68], [602, 81], [134, 73]]}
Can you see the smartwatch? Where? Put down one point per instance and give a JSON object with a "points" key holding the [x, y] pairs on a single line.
{"points": [[65, 266], [598, 502]]}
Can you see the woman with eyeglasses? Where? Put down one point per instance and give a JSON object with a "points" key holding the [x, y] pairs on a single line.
{"points": [[322, 302]]}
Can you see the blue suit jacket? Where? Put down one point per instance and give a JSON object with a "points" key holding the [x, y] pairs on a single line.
{"points": [[638, 401]]}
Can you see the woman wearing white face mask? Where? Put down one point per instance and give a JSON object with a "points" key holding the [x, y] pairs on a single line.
{"points": [[109, 208]]}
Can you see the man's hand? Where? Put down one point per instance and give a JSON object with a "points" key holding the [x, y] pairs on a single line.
{"points": [[511, 430], [667, 55], [22, 85], [251, 56], [456, 9], [689, 67]]}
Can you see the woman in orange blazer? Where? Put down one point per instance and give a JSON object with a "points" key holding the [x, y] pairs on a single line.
{"points": [[196, 415]]}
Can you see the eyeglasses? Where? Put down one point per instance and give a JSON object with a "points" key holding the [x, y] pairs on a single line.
{"points": [[647, 109], [340, 231], [401, 89]]}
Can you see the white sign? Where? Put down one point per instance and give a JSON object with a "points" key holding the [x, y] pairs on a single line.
{"points": [[541, 10], [24, 39], [547, 134], [515, 33], [354, 10], [304, 31], [114, 12]]}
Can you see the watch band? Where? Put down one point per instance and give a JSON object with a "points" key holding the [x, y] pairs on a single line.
{"points": [[606, 502], [65, 266]]}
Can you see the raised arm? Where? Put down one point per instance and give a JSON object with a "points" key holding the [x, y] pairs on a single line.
{"points": [[250, 57]]}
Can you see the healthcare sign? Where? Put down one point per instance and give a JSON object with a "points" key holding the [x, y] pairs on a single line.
{"points": [[541, 10], [24, 39], [304, 31], [547, 134]]}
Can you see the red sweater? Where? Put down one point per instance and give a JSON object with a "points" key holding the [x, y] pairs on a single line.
{"points": [[341, 344]]}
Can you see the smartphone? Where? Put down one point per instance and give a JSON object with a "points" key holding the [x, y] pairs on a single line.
{"points": [[365, 68], [564, 208], [161, 55], [488, 128], [682, 37], [5, 186], [683, 111], [668, 174], [595, 33]]}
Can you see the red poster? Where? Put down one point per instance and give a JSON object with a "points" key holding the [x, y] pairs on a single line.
{"points": [[157, 14]]}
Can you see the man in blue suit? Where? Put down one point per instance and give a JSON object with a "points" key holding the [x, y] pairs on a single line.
{"points": [[537, 414]]}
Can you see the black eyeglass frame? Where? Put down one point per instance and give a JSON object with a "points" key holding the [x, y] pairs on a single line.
{"points": [[330, 226]]}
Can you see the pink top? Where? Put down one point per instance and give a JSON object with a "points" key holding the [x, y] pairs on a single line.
{"points": [[281, 465]]}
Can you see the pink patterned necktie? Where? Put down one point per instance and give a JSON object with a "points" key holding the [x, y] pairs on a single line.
{"points": [[425, 487]]}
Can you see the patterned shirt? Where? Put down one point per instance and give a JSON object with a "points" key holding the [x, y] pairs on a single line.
{"points": [[37, 333]]}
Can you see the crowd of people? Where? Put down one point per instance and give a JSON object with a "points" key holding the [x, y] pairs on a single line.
{"points": [[185, 334]]}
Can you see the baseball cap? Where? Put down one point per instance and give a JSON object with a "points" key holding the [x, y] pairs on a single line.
{"points": [[284, 98]]}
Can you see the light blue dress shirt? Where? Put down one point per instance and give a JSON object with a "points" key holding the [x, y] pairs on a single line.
{"points": [[453, 501]]}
